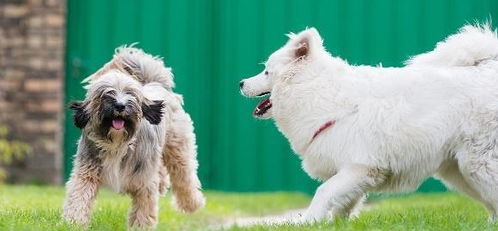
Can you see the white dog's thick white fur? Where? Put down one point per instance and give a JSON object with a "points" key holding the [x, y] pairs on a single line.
{"points": [[392, 127]]}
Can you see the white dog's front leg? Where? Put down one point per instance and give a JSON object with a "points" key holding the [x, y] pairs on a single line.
{"points": [[341, 191]]}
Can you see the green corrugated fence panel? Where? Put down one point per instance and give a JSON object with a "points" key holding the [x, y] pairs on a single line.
{"points": [[211, 45]]}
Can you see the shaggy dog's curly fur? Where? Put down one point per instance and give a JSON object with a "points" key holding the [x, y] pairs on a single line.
{"points": [[136, 139], [362, 129]]}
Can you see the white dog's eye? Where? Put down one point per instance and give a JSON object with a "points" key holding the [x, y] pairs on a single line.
{"points": [[266, 72]]}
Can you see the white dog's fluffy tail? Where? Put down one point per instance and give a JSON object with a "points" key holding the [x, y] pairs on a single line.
{"points": [[470, 46], [142, 66]]}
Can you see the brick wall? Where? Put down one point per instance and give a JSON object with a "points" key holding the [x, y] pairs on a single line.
{"points": [[32, 41]]}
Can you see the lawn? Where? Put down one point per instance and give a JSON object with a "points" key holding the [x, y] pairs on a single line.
{"points": [[39, 208]]}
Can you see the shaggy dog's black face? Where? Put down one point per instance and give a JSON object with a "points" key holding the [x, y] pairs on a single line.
{"points": [[114, 108], [118, 116]]}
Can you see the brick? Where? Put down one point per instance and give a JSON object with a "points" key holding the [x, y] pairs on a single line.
{"points": [[49, 126], [35, 21], [54, 64], [14, 11], [35, 42], [36, 63], [54, 42], [8, 84], [41, 85], [44, 106], [33, 3], [50, 144], [11, 73], [54, 20], [55, 3], [16, 42], [51, 106], [36, 126]]}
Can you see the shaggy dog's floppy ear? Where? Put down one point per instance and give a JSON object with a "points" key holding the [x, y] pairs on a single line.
{"points": [[305, 43], [153, 111], [80, 117]]}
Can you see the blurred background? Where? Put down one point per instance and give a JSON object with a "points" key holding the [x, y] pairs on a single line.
{"points": [[48, 46]]}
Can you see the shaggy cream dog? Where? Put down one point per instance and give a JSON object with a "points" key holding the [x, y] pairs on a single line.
{"points": [[361, 128], [135, 134]]}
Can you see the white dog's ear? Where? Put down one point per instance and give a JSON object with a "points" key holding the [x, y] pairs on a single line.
{"points": [[305, 43]]}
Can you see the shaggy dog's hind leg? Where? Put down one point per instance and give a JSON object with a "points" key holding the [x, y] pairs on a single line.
{"points": [[164, 182], [181, 163]]}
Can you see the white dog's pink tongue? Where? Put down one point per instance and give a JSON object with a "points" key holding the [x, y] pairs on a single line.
{"points": [[118, 124]]}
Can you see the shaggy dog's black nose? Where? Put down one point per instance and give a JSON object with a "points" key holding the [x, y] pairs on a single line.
{"points": [[119, 107], [241, 84]]}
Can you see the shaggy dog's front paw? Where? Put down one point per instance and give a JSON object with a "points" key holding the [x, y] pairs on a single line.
{"points": [[140, 222], [190, 202], [75, 218]]}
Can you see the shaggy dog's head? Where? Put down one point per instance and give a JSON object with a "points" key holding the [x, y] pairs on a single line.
{"points": [[282, 65], [114, 107]]}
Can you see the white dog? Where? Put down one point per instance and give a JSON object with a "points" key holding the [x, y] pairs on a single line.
{"points": [[362, 128]]}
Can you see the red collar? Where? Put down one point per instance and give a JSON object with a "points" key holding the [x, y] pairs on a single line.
{"points": [[322, 128]]}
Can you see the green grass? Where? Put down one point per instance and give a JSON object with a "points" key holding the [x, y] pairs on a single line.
{"points": [[39, 208]]}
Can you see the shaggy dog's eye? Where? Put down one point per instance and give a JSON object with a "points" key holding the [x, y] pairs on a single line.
{"points": [[266, 72], [108, 95], [129, 93]]}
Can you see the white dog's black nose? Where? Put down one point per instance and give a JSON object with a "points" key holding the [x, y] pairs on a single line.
{"points": [[241, 84], [119, 107]]}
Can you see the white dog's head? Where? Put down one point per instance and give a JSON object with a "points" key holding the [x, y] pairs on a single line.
{"points": [[282, 64]]}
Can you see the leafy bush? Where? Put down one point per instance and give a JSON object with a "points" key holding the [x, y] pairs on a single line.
{"points": [[10, 150]]}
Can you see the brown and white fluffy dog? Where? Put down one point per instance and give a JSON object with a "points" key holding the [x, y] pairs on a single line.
{"points": [[136, 139]]}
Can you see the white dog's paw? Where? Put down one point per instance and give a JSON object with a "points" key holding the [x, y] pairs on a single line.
{"points": [[303, 221], [493, 219], [295, 219], [309, 218]]}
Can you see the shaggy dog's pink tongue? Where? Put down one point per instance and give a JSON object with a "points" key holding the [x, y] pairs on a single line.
{"points": [[118, 124]]}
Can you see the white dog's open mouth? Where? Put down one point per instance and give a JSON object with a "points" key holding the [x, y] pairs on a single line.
{"points": [[262, 107]]}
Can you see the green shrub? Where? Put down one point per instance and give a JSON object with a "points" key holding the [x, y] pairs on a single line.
{"points": [[10, 150]]}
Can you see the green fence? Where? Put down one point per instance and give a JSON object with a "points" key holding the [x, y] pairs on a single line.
{"points": [[211, 45]]}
